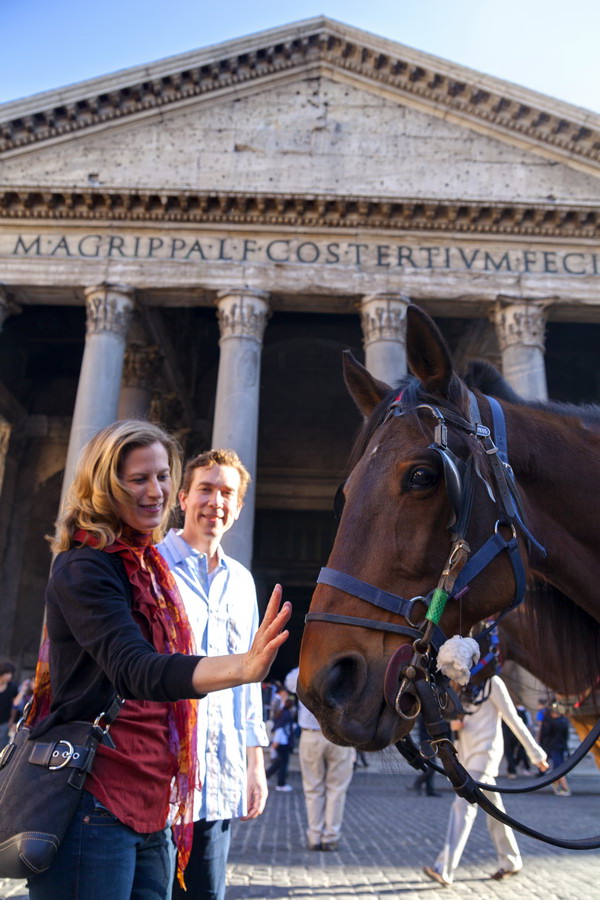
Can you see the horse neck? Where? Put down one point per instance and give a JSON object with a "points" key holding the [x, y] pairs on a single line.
{"points": [[556, 462]]}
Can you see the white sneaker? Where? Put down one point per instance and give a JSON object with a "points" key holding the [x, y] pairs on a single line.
{"points": [[284, 787]]}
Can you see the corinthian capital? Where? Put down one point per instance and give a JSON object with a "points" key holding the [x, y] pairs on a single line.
{"points": [[520, 322], [242, 314], [109, 308], [383, 317]]}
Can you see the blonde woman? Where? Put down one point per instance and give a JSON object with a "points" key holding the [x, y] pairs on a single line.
{"points": [[115, 623]]}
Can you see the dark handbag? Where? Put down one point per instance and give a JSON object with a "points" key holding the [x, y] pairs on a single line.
{"points": [[40, 785]]}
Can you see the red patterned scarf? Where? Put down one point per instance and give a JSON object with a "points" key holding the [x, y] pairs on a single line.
{"points": [[154, 595]]}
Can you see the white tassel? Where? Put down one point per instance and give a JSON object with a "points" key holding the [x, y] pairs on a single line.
{"points": [[456, 656]]}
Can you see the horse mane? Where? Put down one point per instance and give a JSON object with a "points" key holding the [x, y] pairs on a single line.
{"points": [[482, 375], [561, 630], [563, 638]]}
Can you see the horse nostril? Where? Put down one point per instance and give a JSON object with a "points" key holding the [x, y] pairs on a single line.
{"points": [[343, 680]]}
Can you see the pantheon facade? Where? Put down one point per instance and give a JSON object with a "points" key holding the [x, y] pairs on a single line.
{"points": [[198, 239]]}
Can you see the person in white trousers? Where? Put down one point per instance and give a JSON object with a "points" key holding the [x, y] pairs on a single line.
{"points": [[326, 774], [480, 747]]}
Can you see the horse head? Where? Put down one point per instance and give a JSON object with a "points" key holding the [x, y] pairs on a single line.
{"points": [[403, 503]]}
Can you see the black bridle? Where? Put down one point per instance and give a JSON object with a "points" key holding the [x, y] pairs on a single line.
{"points": [[461, 568]]}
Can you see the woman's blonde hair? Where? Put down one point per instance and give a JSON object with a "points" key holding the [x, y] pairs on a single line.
{"points": [[96, 490]]}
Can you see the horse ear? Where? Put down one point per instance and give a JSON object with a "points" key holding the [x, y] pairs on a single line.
{"points": [[427, 352], [365, 390]]}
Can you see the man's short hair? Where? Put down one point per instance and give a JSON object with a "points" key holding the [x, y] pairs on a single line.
{"points": [[7, 668], [216, 457]]}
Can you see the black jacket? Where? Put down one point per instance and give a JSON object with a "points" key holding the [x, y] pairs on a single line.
{"points": [[96, 647], [554, 734]]}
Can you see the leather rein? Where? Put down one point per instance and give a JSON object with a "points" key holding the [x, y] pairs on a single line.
{"points": [[410, 670]]}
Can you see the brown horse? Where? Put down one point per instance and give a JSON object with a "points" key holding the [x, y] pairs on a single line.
{"points": [[401, 503]]}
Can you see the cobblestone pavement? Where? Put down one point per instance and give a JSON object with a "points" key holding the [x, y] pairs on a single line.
{"points": [[390, 833]]}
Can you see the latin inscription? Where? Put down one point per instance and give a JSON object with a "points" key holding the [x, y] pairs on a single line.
{"points": [[284, 251]]}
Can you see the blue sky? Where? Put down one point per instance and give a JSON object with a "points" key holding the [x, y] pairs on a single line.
{"points": [[548, 45]]}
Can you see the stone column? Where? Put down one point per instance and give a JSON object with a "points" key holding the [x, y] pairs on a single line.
{"points": [[7, 308], [383, 320], [520, 326], [242, 318], [141, 365], [109, 310]]}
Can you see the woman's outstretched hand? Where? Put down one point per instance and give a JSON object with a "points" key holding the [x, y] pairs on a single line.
{"points": [[214, 673], [269, 637]]}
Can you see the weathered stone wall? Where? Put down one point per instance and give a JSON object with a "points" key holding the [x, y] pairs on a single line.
{"points": [[313, 135]]}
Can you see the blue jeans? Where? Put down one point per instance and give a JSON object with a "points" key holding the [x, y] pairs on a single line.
{"points": [[100, 857], [206, 871]]}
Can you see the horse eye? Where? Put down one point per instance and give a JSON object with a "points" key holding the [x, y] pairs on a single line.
{"points": [[422, 477]]}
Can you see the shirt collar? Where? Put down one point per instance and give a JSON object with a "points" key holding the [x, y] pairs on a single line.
{"points": [[181, 550]]}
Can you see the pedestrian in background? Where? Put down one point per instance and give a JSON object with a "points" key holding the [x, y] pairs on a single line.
{"points": [[283, 741], [554, 738], [326, 775], [479, 748]]}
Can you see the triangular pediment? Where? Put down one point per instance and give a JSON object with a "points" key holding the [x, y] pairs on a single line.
{"points": [[311, 134], [315, 124], [319, 46]]}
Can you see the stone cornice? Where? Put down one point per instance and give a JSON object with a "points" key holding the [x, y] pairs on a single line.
{"points": [[499, 106], [299, 210]]}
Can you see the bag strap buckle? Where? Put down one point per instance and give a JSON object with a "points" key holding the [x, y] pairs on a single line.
{"points": [[66, 756]]}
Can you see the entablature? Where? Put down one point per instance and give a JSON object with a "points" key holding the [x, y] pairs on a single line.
{"points": [[301, 210]]}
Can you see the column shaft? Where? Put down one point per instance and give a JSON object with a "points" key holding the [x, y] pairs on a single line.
{"points": [[7, 308], [140, 367], [109, 311], [242, 318], [383, 320]]}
